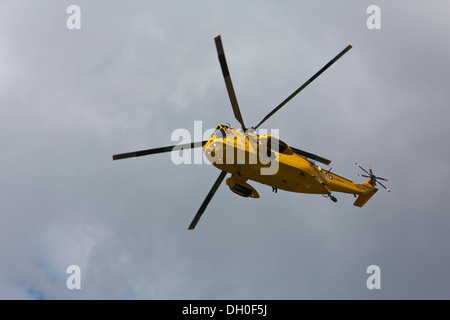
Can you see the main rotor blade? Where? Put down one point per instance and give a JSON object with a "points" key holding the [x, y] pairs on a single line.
{"points": [[207, 200], [228, 83], [310, 155], [318, 73], [176, 147]]}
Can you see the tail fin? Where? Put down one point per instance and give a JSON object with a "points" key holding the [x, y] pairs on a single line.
{"points": [[366, 195], [368, 188]]}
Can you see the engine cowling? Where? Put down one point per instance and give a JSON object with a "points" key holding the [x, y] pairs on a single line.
{"points": [[242, 188]]}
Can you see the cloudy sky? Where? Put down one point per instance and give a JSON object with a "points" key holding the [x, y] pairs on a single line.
{"points": [[138, 70]]}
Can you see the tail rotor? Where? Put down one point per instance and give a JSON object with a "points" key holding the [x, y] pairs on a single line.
{"points": [[372, 176]]}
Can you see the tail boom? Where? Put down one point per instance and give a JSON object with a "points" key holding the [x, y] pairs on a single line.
{"points": [[364, 191]]}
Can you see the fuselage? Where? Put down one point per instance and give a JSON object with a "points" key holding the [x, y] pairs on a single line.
{"points": [[270, 161]]}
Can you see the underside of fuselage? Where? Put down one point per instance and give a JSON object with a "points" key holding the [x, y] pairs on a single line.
{"points": [[288, 178]]}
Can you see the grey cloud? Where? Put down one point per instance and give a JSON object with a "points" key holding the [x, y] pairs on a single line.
{"points": [[137, 71]]}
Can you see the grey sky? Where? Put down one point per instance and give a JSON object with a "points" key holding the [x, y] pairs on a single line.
{"points": [[137, 70]]}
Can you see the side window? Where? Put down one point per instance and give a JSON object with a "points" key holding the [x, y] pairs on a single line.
{"points": [[282, 146], [276, 144]]}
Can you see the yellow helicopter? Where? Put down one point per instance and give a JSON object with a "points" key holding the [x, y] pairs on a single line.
{"points": [[266, 159]]}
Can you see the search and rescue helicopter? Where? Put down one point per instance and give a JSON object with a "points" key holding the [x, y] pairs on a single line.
{"points": [[245, 154]]}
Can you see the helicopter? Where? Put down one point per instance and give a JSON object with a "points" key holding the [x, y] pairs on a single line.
{"points": [[266, 159]]}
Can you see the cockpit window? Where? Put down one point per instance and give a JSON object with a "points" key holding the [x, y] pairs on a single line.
{"points": [[220, 132], [277, 145]]}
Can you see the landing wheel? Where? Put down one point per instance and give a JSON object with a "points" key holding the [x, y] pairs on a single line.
{"points": [[332, 198]]}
